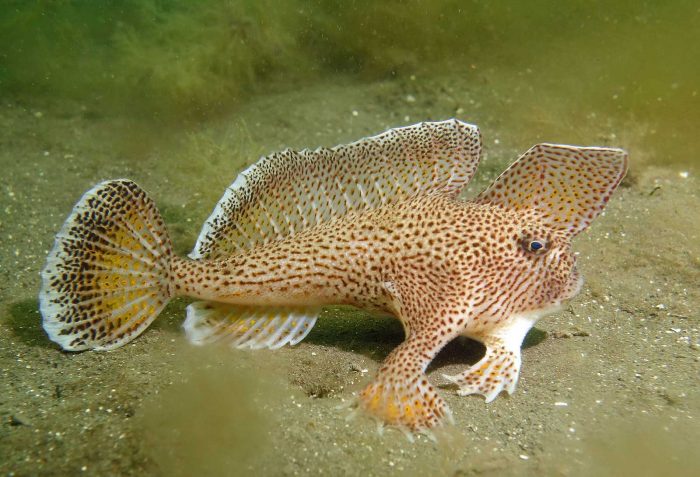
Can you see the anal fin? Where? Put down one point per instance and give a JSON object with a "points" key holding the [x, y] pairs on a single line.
{"points": [[248, 327]]}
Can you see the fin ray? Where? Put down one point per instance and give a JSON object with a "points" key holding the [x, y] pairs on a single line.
{"points": [[107, 247]]}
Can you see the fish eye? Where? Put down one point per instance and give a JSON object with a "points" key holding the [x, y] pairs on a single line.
{"points": [[536, 245], [533, 245]]}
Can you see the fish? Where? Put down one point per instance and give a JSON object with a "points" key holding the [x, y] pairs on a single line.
{"points": [[378, 224]]}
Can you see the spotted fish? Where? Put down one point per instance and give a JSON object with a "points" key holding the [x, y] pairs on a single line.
{"points": [[377, 224]]}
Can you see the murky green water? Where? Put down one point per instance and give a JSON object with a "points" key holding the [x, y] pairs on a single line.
{"points": [[181, 95], [549, 67]]}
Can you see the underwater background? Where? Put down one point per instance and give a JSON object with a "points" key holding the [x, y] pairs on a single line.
{"points": [[181, 95]]}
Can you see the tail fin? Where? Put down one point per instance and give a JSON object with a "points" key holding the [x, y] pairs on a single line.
{"points": [[108, 275]]}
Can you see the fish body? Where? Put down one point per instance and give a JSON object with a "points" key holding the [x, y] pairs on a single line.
{"points": [[376, 224], [438, 244]]}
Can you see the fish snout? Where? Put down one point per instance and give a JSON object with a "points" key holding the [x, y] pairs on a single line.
{"points": [[575, 284]]}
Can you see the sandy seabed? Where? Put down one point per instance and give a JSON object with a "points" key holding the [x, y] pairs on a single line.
{"points": [[609, 386]]}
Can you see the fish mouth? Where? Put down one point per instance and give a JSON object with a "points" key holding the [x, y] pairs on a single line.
{"points": [[575, 285]]}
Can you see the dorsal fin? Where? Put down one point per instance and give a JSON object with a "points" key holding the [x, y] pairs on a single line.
{"points": [[290, 191], [567, 185]]}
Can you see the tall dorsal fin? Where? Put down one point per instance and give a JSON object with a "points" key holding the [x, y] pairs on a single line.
{"points": [[567, 185], [290, 191]]}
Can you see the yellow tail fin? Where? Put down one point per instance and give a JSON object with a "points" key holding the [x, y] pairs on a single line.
{"points": [[108, 275]]}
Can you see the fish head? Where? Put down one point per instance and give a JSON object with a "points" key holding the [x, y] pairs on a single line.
{"points": [[538, 205], [545, 256]]}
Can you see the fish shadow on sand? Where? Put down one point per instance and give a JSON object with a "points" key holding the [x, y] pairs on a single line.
{"points": [[24, 319], [465, 351], [345, 328], [356, 331], [375, 337]]}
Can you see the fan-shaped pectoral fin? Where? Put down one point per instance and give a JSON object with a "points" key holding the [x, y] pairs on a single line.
{"points": [[497, 371], [400, 394]]}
